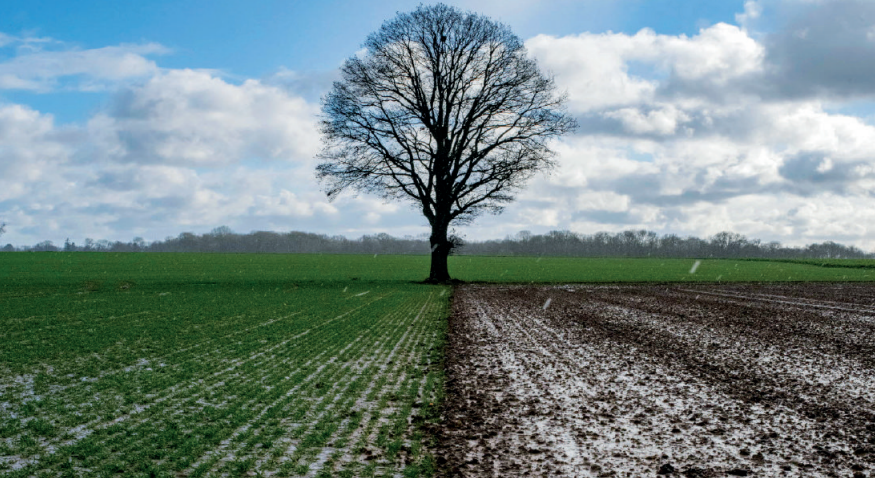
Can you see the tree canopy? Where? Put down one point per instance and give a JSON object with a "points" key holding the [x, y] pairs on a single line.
{"points": [[444, 109]]}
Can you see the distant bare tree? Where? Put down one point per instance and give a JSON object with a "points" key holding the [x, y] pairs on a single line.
{"points": [[444, 109]]}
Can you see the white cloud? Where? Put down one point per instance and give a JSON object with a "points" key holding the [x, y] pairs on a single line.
{"points": [[597, 64], [194, 118], [601, 201], [96, 68], [752, 11], [595, 68], [289, 204], [184, 150], [661, 121], [717, 54], [31, 149], [806, 126]]}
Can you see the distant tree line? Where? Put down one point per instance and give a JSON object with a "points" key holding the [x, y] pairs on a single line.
{"points": [[554, 243], [644, 243]]}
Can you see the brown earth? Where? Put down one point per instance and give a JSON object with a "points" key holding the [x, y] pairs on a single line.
{"points": [[695, 381]]}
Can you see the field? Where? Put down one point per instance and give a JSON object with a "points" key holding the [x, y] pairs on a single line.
{"points": [[308, 365], [639, 380], [120, 373], [36, 271]]}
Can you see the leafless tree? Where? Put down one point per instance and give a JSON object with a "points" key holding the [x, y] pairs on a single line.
{"points": [[443, 109]]}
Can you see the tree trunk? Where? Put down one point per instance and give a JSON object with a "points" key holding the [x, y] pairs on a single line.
{"points": [[440, 250]]}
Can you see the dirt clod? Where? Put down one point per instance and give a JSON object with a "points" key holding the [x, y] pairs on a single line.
{"points": [[738, 472]]}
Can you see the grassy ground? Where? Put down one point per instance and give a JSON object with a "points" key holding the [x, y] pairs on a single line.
{"points": [[207, 364], [561, 270], [840, 263], [203, 366], [100, 271]]}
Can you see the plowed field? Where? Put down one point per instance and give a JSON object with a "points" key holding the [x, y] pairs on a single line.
{"points": [[677, 380]]}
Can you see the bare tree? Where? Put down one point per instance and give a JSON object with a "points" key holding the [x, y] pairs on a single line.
{"points": [[443, 109]]}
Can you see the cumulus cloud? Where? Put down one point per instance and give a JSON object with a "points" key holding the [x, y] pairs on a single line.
{"points": [[195, 118], [31, 149], [722, 130], [716, 55], [183, 150], [601, 64]]}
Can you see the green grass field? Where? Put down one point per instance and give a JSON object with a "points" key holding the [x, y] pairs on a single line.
{"points": [[211, 366], [228, 365], [32, 271]]}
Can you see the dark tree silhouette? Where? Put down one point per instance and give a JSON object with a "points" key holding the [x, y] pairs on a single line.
{"points": [[444, 109]]}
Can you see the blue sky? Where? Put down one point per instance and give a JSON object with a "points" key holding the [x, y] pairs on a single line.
{"points": [[123, 119]]}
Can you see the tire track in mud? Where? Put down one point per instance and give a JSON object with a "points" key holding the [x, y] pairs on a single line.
{"points": [[632, 380], [831, 352], [825, 293], [784, 300], [825, 345]]}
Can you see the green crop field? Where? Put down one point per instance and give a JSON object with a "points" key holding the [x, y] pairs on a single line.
{"points": [[200, 366], [564, 270], [242, 364], [840, 263], [32, 272]]}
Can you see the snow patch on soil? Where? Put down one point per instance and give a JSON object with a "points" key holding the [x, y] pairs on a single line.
{"points": [[630, 380]]}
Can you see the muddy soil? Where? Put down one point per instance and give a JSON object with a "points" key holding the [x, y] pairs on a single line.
{"points": [[695, 381]]}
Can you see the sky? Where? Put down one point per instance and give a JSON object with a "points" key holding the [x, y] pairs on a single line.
{"points": [[149, 119]]}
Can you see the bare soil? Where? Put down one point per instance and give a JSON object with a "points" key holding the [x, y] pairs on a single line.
{"points": [[674, 380]]}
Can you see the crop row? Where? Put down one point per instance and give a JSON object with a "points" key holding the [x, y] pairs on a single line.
{"points": [[332, 386]]}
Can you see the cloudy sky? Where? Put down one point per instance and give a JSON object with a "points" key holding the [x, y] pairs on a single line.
{"points": [[124, 119]]}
